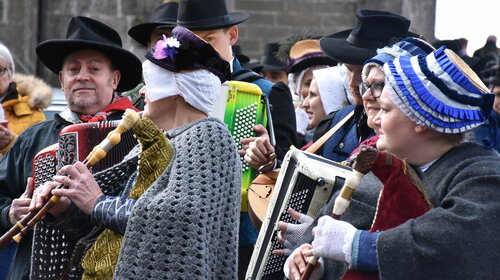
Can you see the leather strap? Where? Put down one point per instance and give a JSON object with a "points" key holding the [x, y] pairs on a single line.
{"points": [[316, 145]]}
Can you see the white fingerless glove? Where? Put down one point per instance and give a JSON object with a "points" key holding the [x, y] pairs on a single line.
{"points": [[294, 233], [333, 239]]}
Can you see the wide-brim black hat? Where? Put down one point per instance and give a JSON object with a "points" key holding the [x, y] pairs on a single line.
{"points": [[164, 15], [373, 30], [268, 61], [207, 15], [86, 33]]}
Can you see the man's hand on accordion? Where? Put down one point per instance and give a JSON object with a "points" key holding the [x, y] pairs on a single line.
{"points": [[290, 234], [81, 188], [258, 151]]}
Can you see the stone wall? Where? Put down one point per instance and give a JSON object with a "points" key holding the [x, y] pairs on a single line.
{"points": [[274, 20], [25, 23]]}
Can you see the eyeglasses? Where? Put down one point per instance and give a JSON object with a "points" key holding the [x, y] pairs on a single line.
{"points": [[375, 88], [3, 70]]}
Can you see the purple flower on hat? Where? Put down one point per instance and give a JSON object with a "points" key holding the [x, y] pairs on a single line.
{"points": [[167, 47]]}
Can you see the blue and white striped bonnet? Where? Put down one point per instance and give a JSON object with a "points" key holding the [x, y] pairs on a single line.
{"points": [[439, 91], [409, 46]]}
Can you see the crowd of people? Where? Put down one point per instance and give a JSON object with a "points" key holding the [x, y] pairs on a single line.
{"points": [[174, 211]]}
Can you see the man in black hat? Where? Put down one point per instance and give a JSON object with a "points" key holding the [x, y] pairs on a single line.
{"points": [[374, 29], [211, 21], [93, 68], [273, 69], [161, 22]]}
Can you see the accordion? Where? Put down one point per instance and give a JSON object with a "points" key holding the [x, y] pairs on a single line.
{"points": [[75, 142], [240, 106], [305, 183]]}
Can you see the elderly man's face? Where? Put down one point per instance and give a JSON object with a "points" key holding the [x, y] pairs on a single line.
{"points": [[354, 75], [88, 81]]}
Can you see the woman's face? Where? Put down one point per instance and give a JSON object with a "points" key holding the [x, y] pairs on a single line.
{"points": [[306, 83], [397, 131], [375, 81], [313, 105], [5, 76]]}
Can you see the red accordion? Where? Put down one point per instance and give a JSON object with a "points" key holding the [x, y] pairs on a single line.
{"points": [[74, 144]]}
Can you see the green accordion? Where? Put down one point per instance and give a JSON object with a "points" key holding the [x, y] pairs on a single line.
{"points": [[240, 106]]}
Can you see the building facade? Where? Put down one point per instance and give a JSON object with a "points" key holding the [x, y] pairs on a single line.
{"points": [[25, 23]]}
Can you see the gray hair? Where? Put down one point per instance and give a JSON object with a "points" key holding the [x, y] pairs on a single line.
{"points": [[5, 54]]}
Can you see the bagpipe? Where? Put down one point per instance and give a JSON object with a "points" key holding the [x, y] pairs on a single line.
{"points": [[98, 145], [240, 106], [305, 183]]}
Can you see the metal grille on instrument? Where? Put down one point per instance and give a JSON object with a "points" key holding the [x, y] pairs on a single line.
{"points": [[244, 120], [299, 201], [44, 166]]}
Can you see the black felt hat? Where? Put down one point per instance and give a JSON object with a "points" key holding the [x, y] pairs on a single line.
{"points": [[207, 15], [269, 61], [164, 15], [86, 33], [373, 30], [239, 54]]}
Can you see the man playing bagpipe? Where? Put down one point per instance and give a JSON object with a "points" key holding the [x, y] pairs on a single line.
{"points": [[93, 68]]}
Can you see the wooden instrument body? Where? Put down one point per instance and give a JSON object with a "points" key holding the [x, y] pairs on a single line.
{"points": [[305, 183]]}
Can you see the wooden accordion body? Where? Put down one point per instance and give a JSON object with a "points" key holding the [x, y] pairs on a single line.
{"points": [[240, 106], [305, 183], [75, 142], [54, 246]]}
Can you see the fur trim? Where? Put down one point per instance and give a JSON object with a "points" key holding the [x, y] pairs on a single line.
{"points": [[40, 93]]}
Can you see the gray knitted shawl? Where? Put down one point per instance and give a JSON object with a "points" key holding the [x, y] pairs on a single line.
{"points": [[185, 226]]}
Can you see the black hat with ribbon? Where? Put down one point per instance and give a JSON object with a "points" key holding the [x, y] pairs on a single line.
{"points": [[207, 15], [164, 15], [86, 33], [373, 30]]}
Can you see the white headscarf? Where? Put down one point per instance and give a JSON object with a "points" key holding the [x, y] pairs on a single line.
{"points": [[332, 89], [199, 88]]}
